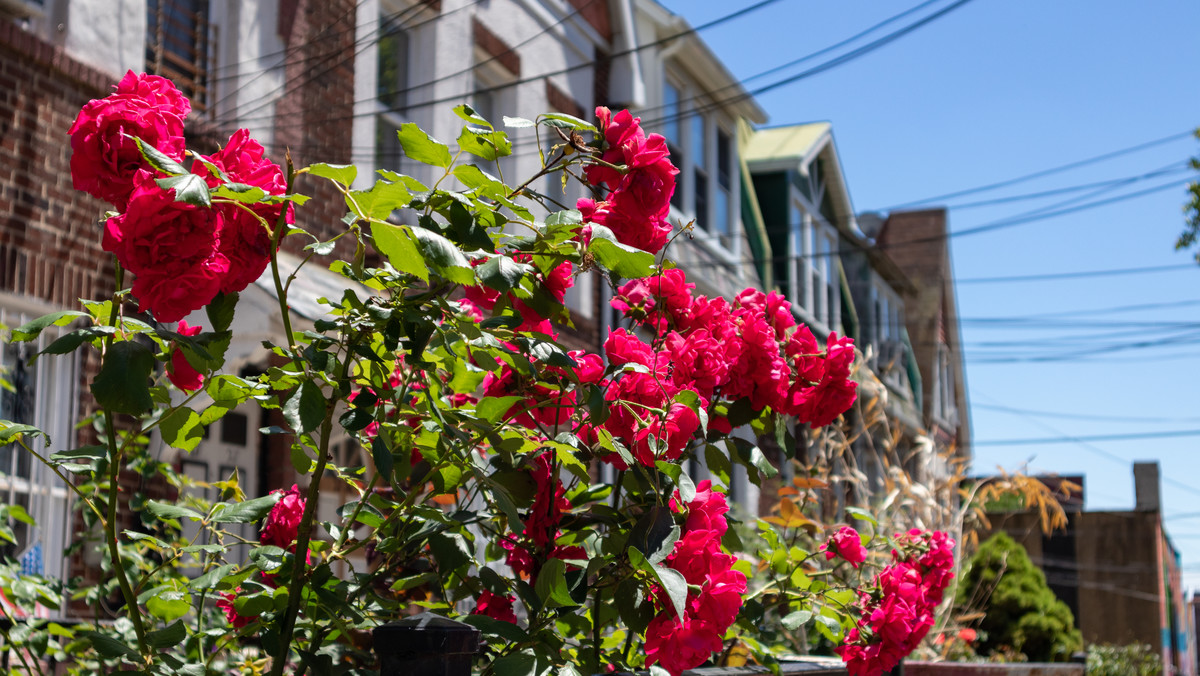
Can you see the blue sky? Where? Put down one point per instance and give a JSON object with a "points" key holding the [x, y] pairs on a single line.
{"points": [[994, 90]]}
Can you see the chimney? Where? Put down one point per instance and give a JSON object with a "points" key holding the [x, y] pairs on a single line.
{"points": [[1145, 486]]}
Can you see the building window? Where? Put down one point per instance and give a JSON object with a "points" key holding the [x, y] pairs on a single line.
{"points": [[700, 186], [705, 189], [722, 194], [391, 91], [179, 46], [42, 394], [672, 116]]}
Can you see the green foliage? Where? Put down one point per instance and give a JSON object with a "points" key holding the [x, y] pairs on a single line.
{"points": [[1135, 659], [1021, 612], [1191, 233]]}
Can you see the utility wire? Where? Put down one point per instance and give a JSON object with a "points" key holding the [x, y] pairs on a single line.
{"points": [[1093, 437], [1079, 274], [1173, 168], [569, 69], [1027, 412], [1043, 172]]}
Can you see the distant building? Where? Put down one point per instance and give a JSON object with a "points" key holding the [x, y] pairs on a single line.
{"points": [[1116, 570]]}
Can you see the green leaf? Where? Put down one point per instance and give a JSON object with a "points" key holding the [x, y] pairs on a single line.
{"points": [[517, 122], [166, 510], [10, 430], [18, 513], [476, 179], [488, 144], [444, 257], [158, 159], [490, 626], [469, 114], [380, 201], [33, 328], [189, 188], [795, 620], [502, 273], [339, 173], [69, 342], [169, 605], [718, 463], [422, 147], [862, 514], [220, 310], [551, 585], [523, 663], [306, 408], [397, 244], [121, 386], [492, 409], [382, 455], [209, 580], [752, 457], [654, 534], [169, 636], [622, 259], [182, 429], [248, 511], [450, 550], [108, 646], [566, 121]]}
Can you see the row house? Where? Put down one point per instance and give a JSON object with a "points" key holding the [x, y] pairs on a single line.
{"points": [[332, 81]]}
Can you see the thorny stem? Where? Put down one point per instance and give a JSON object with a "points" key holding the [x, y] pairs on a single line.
{"points": [[304, 532], [114, 471]]}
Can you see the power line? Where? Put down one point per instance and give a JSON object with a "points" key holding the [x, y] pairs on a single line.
{"points": [[1094, 437], [569, 69], [1075, 313], [1081, 416], [1173, 168], [1043, 172], [1081, 274]]}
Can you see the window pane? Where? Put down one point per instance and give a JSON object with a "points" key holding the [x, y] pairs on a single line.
{"points": [[724, 160], [699, 141], [388, 152], [392, 81], [721, 215], [701, 184], [670, 124]]}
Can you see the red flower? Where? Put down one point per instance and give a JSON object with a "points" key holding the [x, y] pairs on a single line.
{"points": [[180, 372], [104, 157], [171, 246], [678, 644], [225, 603], [245, 240], [283, 522], [847, 544], [496, 606]]}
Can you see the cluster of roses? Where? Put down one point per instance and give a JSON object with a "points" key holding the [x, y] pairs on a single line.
{"points": [[540, 527], [280, 529], [481, 300], [714, 589], [751, 348], [897, 608], [182, 254], [640, 179]]}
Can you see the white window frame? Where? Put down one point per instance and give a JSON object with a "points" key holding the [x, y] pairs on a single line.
{"points": [[56, 397], [691, 98]]}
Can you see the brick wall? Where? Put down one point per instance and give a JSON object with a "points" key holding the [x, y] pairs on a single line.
{"points": [[316, 112], [49, 233]]}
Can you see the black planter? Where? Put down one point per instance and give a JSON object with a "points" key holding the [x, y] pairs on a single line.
{"points": [[425, 645]]}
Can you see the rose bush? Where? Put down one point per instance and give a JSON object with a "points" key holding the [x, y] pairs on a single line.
{"points": [[537, 493]]}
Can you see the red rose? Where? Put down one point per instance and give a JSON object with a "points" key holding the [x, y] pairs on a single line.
{"points": [[847, 544], [104, 159], [245, 240], [495, 606], [680, 644], [171, 246], [225, 603], [283, 522], [180, 372]]}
